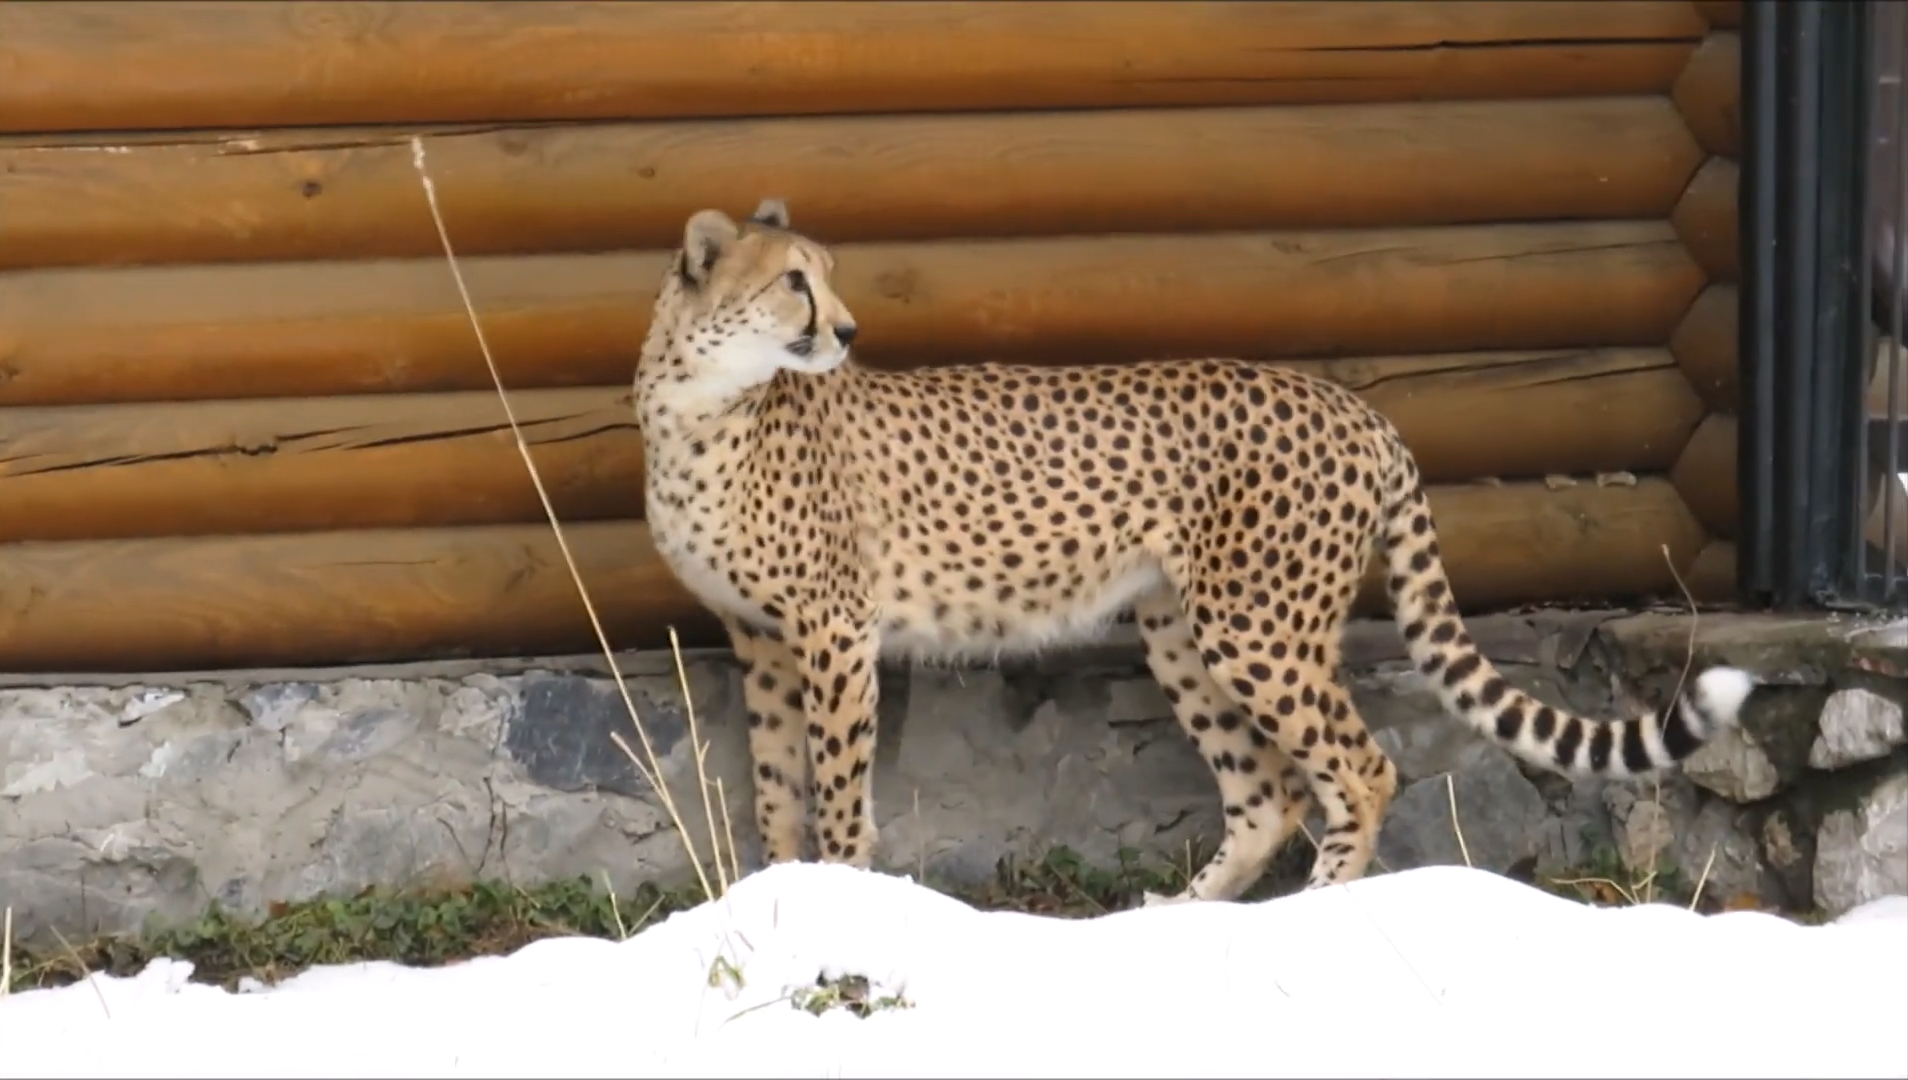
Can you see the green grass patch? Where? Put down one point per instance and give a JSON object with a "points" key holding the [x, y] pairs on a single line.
{"points": [[490, 918]]}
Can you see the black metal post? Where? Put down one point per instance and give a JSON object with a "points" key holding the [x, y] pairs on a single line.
{"points": [[1804, 334]]}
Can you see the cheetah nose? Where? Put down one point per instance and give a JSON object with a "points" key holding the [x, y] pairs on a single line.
{"points": [[846, 335]]}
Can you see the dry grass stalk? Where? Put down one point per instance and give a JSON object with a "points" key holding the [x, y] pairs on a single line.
{"points": [[652, 770], [1450, 794], [6, 955], [701, 752]]}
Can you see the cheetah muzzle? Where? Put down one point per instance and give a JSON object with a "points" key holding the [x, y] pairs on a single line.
{"points": [[831, 514]]}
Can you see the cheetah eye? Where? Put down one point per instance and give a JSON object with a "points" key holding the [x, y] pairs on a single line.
{"points": [[796, 280]]}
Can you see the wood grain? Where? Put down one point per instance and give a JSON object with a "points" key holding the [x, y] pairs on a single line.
{"points": [[354, 194], [1525, 543], [389, 460], [403, 460], [1709, 94], [1711, 575], [311, 599], [127, 66], [315, 329], [1705, 475], [1704, 344], [1706, 219], [1720, 13]]}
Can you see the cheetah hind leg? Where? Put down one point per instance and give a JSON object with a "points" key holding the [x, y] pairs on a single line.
{"points": [[1264, 793]]}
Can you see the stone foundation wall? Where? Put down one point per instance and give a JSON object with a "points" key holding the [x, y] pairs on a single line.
{"points": [[123, 799]]}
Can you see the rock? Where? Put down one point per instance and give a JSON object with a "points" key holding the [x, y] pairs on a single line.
{"points": [[1857, 725], [1881, 648], [1500, 813], [1862, 854], [1788, 851], [1412, 727], [1717, 852], [1647, 816], [1670, 828], [1734, 765]]}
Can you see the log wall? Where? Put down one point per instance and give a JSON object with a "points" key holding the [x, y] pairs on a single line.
{"points": [[243, 419]]}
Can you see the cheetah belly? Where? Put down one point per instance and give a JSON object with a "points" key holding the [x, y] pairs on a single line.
{"points": [[955, 624]]}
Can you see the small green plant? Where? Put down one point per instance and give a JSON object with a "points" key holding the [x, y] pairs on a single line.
{"points": [[417, 928], [1605, 881], [488, 918], [849, 992]]}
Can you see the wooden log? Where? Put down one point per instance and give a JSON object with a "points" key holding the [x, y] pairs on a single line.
{"points": [[289, 465], [332, 597], [1513, 415], [1526, 543], [1709, 94], [167, 333], [1705, 475], [354, 194], [1711, 575], [419, 460], [1720, 13], [1705, 345], [1705, 218], [353, 597], [120, 66]]}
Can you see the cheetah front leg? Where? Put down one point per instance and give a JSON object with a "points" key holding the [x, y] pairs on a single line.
{"points": [[772, 693], [839, 684]]}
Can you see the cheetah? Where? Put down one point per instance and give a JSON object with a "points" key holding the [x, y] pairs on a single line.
{"points": [[831, 515]]}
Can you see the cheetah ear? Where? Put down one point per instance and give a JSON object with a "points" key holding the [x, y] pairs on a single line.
{"points": [[708, 234], [772, 212]]}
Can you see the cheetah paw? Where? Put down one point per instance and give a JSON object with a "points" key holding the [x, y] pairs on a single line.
{"points": [[1153, 899]]}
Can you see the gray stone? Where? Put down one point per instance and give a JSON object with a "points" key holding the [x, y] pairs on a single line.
{"points": [[1788, 853], [1857, 725], [1422, 739], [1499, 813], [1862, 854], [136, 797], [1648, 816], [1735, 766]]}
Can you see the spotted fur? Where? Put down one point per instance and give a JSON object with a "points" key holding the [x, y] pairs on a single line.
{"points": [[832, 514]]}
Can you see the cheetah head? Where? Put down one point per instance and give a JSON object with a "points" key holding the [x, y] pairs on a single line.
{"points": [[755, 299]]}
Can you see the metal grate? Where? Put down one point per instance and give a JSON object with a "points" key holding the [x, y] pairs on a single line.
{"points": [[1880, 547], [1824, 304]]}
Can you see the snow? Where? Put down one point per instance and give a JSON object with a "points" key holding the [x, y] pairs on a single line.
{"points": [[1440, 971]]}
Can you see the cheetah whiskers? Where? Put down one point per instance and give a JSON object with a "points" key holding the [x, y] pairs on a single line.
{"points": [[652, 771]]}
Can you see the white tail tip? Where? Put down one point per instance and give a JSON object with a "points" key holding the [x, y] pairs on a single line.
{"points": [[1720, 692]]}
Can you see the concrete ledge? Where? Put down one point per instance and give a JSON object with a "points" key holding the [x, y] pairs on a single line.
{"points": [[134, 797]]}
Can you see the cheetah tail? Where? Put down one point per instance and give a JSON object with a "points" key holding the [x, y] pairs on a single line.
{"points": [[1473, 690]]}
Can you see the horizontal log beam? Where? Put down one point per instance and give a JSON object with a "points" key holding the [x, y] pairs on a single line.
{"points": [[1705, 345], [1705, 475], [1706, 219], [354, 194], [299, 464], [1720, 13], [1709, 94], [1527, 543], [166, 333], [351, 597], [123, 66], [415, 460], [1711, 575]]}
